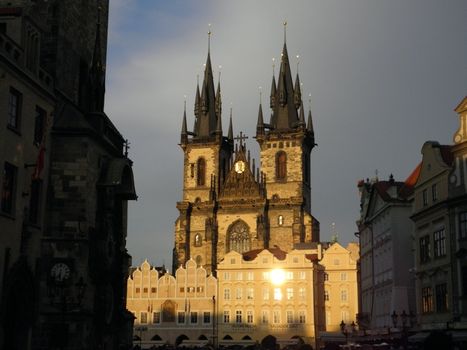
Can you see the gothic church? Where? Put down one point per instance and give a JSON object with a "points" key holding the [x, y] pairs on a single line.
{"points": [[228, 202]]}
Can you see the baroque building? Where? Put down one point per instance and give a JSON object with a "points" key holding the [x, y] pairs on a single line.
{"points": [[230, 204], [440, 219], [65, 184], [386, 250]]}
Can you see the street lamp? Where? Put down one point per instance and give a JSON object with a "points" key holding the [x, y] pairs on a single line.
{"points": [[404, 319], [345, 331]]}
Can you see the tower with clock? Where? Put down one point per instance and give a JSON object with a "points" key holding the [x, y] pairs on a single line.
{"points": [[228, 202]]}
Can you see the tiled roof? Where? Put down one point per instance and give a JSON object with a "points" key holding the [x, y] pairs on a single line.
{"points": [[410, 182], [252, 254]]}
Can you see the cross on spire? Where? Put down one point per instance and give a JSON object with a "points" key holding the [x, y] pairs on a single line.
{"points": [[241, 138], [285, 31]]}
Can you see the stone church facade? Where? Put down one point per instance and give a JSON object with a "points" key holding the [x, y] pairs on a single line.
{"points": [[228, 202]]}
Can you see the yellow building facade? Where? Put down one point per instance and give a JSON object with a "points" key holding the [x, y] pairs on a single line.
{"points": [[270, 293], [172, 309], [340, 285]]}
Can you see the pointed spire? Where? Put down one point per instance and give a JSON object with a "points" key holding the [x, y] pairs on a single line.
{"points": [[260, 123], [297, 93], [273, 87], [97, 74], [230, 133], [184, 133], [301, 121], [197, 97], [207, 120], [309, 126], [285, 116], [218, 96]]}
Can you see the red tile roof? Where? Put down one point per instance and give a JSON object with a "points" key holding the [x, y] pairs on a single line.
{"points": [[252, 254]]}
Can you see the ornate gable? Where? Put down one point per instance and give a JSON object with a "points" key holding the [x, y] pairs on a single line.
{"points": [[241, 181]]}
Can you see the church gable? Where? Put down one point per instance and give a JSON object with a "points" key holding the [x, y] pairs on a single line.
{"points": [[240, 181]]}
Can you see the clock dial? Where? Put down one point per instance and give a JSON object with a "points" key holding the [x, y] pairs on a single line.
{"points": [[240, 167], [60, 272]]}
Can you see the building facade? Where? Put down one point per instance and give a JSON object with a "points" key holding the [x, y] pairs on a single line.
{"points": [[439, 215], [168, 309], [386, 250], [74, 264], [340, 285], [228, 203]]}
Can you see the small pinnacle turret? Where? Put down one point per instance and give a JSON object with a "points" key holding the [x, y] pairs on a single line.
{"points": [[184, 133], [260, 122], [309, 126], [97, 72], [297, 93], [301, 121]]}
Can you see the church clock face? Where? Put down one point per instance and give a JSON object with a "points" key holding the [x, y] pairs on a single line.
{"points": [[240, 166], [60, 272]]}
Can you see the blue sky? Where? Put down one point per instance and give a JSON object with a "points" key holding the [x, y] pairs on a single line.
{"points": [[384, 77]]}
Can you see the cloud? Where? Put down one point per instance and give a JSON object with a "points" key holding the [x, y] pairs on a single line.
{"points": [[383, 77]]}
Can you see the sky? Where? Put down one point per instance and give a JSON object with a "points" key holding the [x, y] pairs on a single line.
{"points": [[383, 76]]}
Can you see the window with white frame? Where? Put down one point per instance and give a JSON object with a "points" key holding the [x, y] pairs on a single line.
{"points": [[289, 316], [238, 316], [238, 293], [250, 293], [226, 317], [276, 316], [265, 316], [249, 316], [226, 293], [289, 292], [277, 294], [265, 293], [301, 316]]}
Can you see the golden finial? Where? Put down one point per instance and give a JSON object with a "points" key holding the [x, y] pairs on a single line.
{"points": [[273, 66], [260, 93], [197, 79], [220, 68], [184, 103], [209, 37], [309, 101], [298, 61], [285, 31]]}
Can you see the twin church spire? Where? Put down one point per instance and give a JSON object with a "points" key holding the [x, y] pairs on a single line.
{"points": [[287, 111]]}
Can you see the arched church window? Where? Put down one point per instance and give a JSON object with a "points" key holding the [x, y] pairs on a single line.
{"points": [[198, 240], [201, 170], [239, 237], [281, 165]]}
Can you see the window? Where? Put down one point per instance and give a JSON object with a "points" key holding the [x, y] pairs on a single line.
{"points": [[39, 125], [198, 240], [301, 275], [193, 317], [434, 192], [280, 220], [276, 316], [206, 317], [277, 294], [182, 289], [239, 237], [226, 293], [463, 225], [238, 316], [441, 291], [281, 165], [289, 275], [343, 295], [289, 293], [227, 276], [301, 293], [239, 276], [144, 317], [337, 262], [250, 293], [153, 290], [439, 243], [192, 170], [8, 188], [343, 276], [137, 290], [265, 293], [14, 109], [201, 167], [156, 317], [35, 201], [427, 300], [265, 316], [266, 276], [301, 316], [200, 289], [181, 317], [326, 276], [289, 316], [249, 316], [238, 293], [345, 316], [249, 276], [226, 317], [424, 249], [326, 295], [425, 197]]}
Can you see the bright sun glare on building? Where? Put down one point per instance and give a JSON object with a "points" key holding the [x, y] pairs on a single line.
{"points": [[277, 276]]}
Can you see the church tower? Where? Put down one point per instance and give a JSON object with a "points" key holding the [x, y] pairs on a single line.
{"points": [[207, 155], [285, 147]]}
